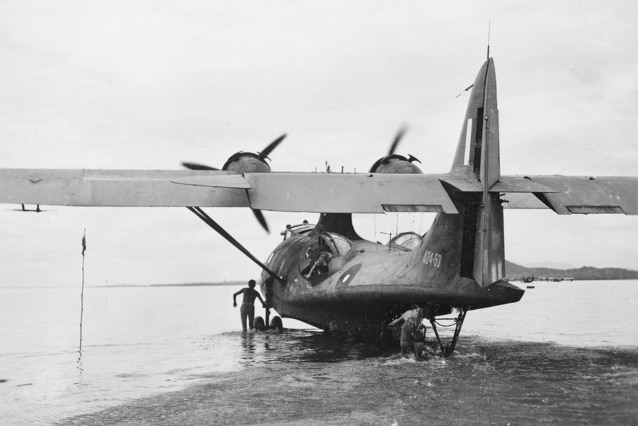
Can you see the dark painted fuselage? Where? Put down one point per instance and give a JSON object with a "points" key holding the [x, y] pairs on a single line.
{"points": [[365, 287]]}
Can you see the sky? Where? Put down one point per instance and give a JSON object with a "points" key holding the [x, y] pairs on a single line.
{"points": [[147, 84]]}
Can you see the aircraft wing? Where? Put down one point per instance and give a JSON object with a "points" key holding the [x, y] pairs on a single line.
{"points": [[294, 192], [305, 192], [573, 194], [123, 188], [348, 193]]}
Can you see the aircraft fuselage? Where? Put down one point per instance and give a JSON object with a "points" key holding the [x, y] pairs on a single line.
{"points": [[364, 284]]}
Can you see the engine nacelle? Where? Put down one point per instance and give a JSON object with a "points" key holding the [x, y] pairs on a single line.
{"points": [[396, 164], [246, 162]]}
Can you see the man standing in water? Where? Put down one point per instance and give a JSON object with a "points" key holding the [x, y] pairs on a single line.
{"points": [[419, 341], [247, 309], [409, 321]]}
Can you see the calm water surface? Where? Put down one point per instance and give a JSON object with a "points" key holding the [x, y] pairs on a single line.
{"points": [[566, 354]]}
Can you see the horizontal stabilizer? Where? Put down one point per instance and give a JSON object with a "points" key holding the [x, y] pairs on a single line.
{"points": [[507, 184], [510, 184], [465, 183]]}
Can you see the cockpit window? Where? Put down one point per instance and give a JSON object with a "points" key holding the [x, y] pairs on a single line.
{"points": [[407, 241], [302, 229], [341, 245], [320, 252]]}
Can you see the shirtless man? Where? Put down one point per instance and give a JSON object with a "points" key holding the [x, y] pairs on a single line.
{"points": [[247, 309], [419, 341], [409, 321]]}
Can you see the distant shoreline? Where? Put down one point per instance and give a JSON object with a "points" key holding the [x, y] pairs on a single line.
{"points": [[517, 272], [226, 283]]}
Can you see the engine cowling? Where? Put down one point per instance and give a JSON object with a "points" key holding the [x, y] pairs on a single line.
{"points": [[395, 163], [246, 162]]}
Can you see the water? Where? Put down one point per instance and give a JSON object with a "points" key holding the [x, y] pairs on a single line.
{"points": [[567, 353]]}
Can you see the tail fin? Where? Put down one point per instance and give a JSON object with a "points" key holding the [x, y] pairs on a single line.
{"points": [[478, 153], [476, 167], [478, 147]]}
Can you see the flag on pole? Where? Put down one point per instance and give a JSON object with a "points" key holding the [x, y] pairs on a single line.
{"points": [[83, 243]]}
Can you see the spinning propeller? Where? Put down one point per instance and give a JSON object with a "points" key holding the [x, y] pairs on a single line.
{"points": [[245, 162], [395, 163]]}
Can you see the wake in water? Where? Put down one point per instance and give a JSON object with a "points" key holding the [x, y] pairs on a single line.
{"points": [[303, 376]]}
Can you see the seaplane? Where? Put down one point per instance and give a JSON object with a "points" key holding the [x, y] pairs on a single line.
{"points": [[325, 274]]}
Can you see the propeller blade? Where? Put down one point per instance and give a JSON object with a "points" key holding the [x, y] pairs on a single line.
{"points": [[262, 220], [196, 166], [271, 147], [397, 138]]}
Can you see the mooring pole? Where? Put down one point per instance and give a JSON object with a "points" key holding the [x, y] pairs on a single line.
{"points": [[82, 293]]}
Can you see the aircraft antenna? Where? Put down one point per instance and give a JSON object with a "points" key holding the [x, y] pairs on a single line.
{"points": [[489, 29]]}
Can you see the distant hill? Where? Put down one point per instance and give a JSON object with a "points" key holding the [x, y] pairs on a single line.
{"points": [[516, 272]]}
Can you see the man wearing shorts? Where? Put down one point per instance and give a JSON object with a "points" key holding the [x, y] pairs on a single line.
{"points": [[247, 309]]}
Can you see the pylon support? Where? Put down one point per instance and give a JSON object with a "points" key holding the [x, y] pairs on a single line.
{"points": [[448, 350]]}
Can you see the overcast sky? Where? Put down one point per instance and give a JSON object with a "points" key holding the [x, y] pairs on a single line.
{"points": [[147, 84]]}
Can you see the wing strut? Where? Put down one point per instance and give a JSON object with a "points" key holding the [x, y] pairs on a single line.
{"points": [[448, 350], [221, 231]]}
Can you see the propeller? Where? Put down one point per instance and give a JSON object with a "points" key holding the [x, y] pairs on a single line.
{"points": [[245, 162], [197, 166], [395, 163], [271, 147], [261, 219], [397, 138], [236, 159]]}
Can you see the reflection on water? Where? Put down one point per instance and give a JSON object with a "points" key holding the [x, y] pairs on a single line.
{"points": [[248, 346], [301, 346]]}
